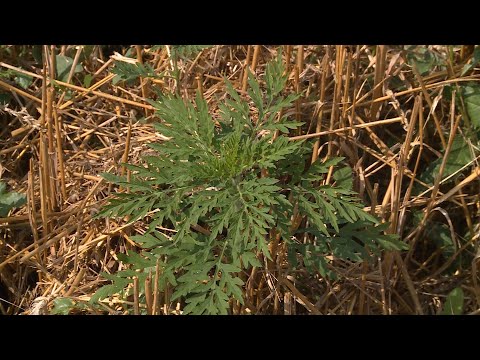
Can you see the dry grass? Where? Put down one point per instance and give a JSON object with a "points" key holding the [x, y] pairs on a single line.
{"points": [[54, 149]]}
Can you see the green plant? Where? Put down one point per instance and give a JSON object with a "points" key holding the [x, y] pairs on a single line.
{"points": [[183, 51], [65, 306], [62, 306], [128, 72], [458, 157], [188, 51], [475, 60], [20, 79], [454, 303], [471, 95], [226, 190], [64, 66], [423, 58], [9, 200]]}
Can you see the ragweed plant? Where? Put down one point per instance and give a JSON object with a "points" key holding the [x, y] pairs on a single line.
{"points": [[224, 186]]}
